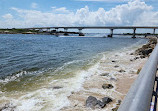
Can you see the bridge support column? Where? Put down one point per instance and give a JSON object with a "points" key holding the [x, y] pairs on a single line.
{"points": [[65, 32], [40, 30], [111, 32], [80, 32], [134, 33], [154, 31]]}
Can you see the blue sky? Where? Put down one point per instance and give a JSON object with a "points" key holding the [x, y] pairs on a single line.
{"points": [[26, 13]]}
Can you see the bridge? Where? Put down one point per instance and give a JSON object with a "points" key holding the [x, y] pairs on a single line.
{"points": [[111, 28]]}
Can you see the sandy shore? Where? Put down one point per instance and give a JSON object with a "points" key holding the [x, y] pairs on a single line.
{"points": [[108, 72]]}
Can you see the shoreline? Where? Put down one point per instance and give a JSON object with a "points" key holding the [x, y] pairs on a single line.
{"points": [[120, 70]]}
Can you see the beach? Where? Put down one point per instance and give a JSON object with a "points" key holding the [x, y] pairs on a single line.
{"points": [[108, 73]]}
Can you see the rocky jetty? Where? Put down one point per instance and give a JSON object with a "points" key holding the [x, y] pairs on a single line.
{"points": [[146, 49]]}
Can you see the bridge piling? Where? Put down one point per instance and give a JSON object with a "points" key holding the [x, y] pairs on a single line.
{"points": [[65, 31], [134, 33], [80, 32], [154, 31], [111, 34]]}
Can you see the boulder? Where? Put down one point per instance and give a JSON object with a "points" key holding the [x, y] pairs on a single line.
{"points": [[106, 100], [100, 104], [57, 87], [116, 66], [142, 56], [147, 51], [104, 74], [115, 109], [107, 86], [122, 70], [136, 58], [113, 79], [119, 102], [91, 102], [113, 61]]}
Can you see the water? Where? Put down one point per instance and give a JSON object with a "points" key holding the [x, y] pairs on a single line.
{"points": [[30, 65]]}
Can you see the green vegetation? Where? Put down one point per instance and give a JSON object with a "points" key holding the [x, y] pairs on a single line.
{"points": [[16, 31]]}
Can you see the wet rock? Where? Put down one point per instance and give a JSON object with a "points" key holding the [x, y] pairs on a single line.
{"points": [[113, 61], [147, 51], [107, 86], [122, 70], [104, 74], [106, 100], [57, 87], [142, 56], [91, 102], [119, 102], [136, 58], [116, 66], [8, 107], [115, 109], [113, 79], [138, 71], [100, 104]]}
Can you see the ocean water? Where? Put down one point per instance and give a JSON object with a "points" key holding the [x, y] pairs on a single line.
{"points": [[32, 65]]}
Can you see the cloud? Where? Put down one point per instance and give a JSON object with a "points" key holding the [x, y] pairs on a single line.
{"points": [[60, 10], [132, 13], [7, 16], [34, 5]]}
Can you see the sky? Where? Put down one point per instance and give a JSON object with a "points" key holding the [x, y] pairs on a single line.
{"points": [[36, 13]]}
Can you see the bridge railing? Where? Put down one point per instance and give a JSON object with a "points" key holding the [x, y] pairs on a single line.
{"points": [[140, 94]]}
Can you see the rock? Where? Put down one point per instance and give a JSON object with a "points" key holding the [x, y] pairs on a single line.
{"points": [[57, 87], [91, 102], [131, 53], [106, 100], [116, 66], [122, 70], [107, 86], [142, 56], [147, 51], [100, 104], [112, 79], [113, 61], [115, 109], [8, 107], [131, 59], [104, 74], [136, 58], [119, 102], [138, 71]]}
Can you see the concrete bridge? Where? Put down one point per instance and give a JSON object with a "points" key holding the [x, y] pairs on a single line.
{"points": [[111, 28]]}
